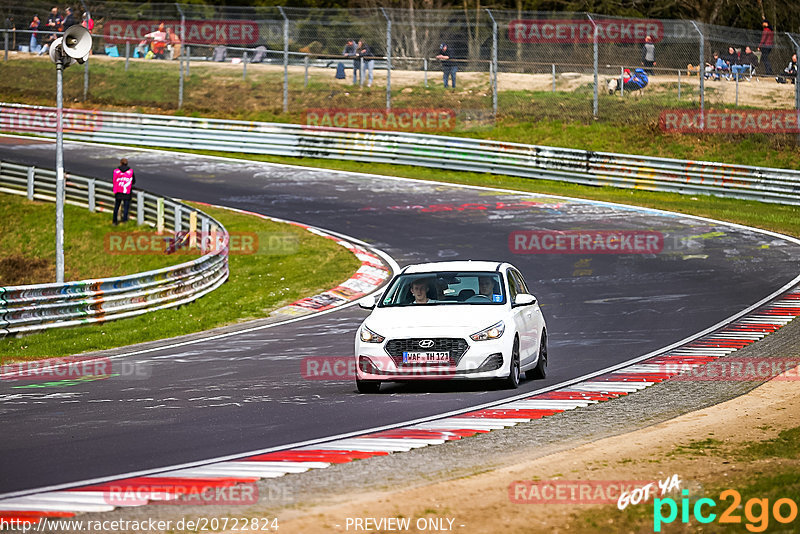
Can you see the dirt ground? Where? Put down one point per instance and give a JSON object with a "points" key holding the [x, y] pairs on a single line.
{"points": [[481, 503]]}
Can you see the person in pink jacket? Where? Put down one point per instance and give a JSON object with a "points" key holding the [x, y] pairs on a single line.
{"points": [[124, 178]]}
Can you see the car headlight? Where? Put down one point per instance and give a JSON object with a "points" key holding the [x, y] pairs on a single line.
{"points": [[493, 332], [368, 336]]}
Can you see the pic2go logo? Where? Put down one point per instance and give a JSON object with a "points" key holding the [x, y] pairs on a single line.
{"points": [[756, 511]]}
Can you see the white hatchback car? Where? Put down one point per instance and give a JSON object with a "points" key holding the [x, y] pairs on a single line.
{"points": [[452, 320]]}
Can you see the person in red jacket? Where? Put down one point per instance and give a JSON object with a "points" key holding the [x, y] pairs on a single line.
{"points": [[124, 178], [766, 44]]}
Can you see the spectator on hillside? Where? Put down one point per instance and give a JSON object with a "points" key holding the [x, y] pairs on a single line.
{"points": [[648, 55], [365, 52], [449, 66], [717, 68], [765, 46], [159, 42], [746, 62], [87, 23], [123, 182], [48, 31], [54, 21], [351, 50], [173, 44], [730, 56], [34, 27], [790, 72], [69, 19]]}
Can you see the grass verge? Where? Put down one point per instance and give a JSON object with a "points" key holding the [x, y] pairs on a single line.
{"points": [[258, 284]]}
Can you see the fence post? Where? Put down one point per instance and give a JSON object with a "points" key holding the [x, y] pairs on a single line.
{"points": [[91, 195], [305, 76], [700, 74], [177, 224], [188, 59], [31, 173], [796, 85], [493, 67], [5, 41], [388, 60], [203, 234], [180, 58], [595, 53], [621, 81], [140, 208], [554, 77], [285, 60], [679, 84], [244, 65], [160, 215], [127, 54], [193, 229], [425, 69]]}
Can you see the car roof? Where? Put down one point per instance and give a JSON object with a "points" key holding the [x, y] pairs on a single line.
{"points": [[468, 265]]}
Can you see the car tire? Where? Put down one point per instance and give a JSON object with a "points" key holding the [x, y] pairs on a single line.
{"points": [[368, 386], [540, 371], [512, 380]]}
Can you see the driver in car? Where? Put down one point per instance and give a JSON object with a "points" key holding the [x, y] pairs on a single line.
{"points": [[419, 289], [486, 286]]}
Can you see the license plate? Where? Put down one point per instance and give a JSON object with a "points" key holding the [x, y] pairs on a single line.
{"points": [[426, 357]]}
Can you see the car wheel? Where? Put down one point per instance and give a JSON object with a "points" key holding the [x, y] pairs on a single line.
{"points": [[368, 386], [512, 380], [540, 371]]}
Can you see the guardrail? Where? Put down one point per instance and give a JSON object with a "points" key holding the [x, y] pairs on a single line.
{"points": [[30, 308], [442, 152]]}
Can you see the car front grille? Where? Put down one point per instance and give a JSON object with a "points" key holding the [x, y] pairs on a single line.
{"points": [[455, 346]]}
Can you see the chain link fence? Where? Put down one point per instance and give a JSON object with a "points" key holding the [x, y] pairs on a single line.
{"points": [[515, 65]]}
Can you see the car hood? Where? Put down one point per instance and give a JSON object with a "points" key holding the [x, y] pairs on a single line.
{"points": [[425, 320]]}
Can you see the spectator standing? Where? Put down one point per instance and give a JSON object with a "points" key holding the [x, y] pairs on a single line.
{"points": [[367, 63], [124, 180], [87, 23], [351, 50], [765, 46], [69, 19], [34, 27], [159, 44], [173, 44], [449, 67], [649, 55], [51, 28], [54, 21]]}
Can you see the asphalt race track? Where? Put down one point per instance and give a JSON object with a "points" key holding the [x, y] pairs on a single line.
{"points": [[246, 392]]}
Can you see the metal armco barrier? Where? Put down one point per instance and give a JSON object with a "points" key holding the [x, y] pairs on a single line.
{"points": [[31, 308], [442, 152]]}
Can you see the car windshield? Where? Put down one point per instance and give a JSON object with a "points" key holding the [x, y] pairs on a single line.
{"points": [[422, 289]]}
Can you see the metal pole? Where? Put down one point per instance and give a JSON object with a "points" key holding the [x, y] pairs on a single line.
{"points": [[622, 81], [5, 40], [736, 102], [285, 60], [425, 68], [700, 70], [305, 76], [86, 64], [388, 60], [679, 84], [188, 58], [244, 66], [554, 77], [595, 66], [127, 54], [494, 63], [796, 87], [59, 173], [180, 66]]}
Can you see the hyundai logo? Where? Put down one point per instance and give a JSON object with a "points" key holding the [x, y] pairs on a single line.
{"points": [[425, 343]]}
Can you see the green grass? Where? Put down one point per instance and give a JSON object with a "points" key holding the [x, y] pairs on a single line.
{"points": [[29, 257], [258, 283]]}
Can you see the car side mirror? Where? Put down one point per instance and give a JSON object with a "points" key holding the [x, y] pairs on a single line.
{"points": [[524, 299], [367, 303]]}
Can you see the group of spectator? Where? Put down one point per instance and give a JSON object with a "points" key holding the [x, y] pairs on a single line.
{"points": [[363, 60], [44, 32], [162, 43]]}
